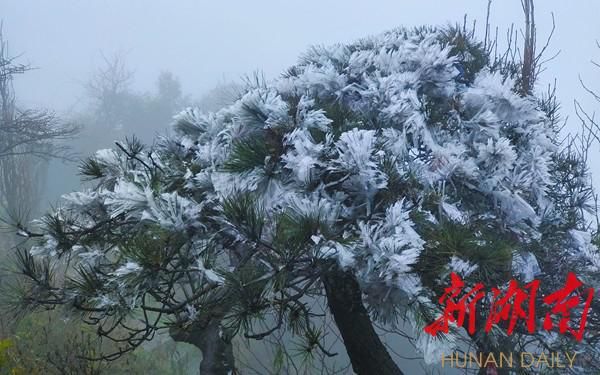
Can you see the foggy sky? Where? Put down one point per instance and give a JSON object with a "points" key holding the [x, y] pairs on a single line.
{"points": [[207, 42]]}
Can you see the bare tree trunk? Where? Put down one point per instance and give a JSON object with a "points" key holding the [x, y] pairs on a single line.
{"points": [[367, 353], [217, 350], [528, 70]]}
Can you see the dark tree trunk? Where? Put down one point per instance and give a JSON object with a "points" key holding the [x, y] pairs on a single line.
{"points": [[367, 353], [217, 351]]}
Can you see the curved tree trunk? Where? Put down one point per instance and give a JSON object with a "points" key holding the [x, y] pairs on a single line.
{"points": [[367, 353], [217, 352]]}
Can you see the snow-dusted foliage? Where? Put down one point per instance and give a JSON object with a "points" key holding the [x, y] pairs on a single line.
{"points": [[377, 157]]}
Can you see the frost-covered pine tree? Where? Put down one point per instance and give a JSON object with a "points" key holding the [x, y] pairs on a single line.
{"points": [[366, 173]]}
